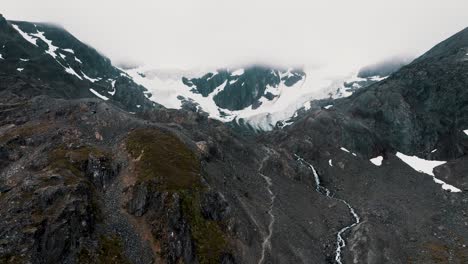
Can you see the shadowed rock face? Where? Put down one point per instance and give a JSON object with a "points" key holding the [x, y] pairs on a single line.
{"points": [[86, 181], [43, 59]]}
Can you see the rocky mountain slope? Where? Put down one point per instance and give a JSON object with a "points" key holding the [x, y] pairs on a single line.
{"points": [[90, 177], [39, 57]]}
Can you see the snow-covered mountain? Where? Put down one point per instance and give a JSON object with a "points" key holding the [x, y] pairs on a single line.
{"points": [[258, 96], [59, 65], [255, 96]]}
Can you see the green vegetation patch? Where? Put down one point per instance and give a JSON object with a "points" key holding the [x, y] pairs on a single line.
{"points": [[163, 157], [73, 160], [12, 259], [441, 253], [110, 251], [25, 131], [210, 240]]}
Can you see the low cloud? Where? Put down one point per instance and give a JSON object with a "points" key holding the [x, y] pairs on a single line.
{"points": [[218, 33]]}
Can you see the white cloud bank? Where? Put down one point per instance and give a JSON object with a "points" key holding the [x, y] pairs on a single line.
{"points": [[187, 33]]}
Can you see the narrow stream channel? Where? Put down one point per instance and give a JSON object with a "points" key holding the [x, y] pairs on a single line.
{"points": [[340, 241]]}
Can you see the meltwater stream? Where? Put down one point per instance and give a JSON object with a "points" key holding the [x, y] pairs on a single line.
{"points": [[340, 241], [266, 244]]}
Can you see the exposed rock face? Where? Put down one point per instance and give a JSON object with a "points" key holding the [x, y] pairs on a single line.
{"points": [[138, 204]]}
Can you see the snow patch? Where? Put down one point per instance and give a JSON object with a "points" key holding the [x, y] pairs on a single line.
{"points": [[307, 106], [466, 132], [52, 48], [427, 167], [20, 69], [434, 150], [377, 160], [78, 60], [25, 35], [421, 165], [328, 107], [99, 95], [69, 70], [345, 150], [89, 78], [113, 88], [1, 57], [378, 78], [69, 51], [330, 163], [24, 60], [238, 72], [166, 91]]}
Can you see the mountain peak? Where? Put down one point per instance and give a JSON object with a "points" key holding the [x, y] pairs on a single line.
{"points": [[2, 20], [450, 46]]}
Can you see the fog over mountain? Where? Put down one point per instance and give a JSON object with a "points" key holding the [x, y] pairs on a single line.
{"points": [[213, 33]]}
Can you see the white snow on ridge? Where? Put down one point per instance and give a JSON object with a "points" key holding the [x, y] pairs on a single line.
{"points": [[69, 51], [345, 150], [377, 160], [378, 78], [25, 35], [99, 95], [70, 70], [427, 167], [89, 78], [52, 48], [78, 60], [421, 165], [307, 106], [32, 38], [166, 90], [166, 86], [113, 87], [238, 72]]}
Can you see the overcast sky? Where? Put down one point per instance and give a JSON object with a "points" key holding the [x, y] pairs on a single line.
{"points": [[193, 33]]}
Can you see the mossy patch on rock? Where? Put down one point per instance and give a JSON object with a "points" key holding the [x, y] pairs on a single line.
{"points": [[110, 250], [442, 253], [210, 240], [25, 131], [163, 157], [73, 160]]}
